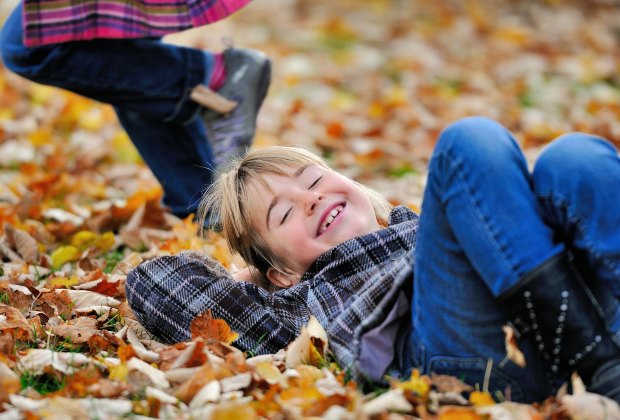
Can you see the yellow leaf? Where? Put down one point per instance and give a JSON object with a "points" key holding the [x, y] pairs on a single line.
{"points": [[124, 149], [270, 373], [63, 255], [417, 384], [234, 410], [106, 241], [119, 372], [86, 239], [92, 120], [64, 281], [40, 137], [376, 110], [481, 399]]}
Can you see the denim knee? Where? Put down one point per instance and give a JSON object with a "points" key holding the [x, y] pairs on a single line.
{"points": [[479, 143], [572, 160]]}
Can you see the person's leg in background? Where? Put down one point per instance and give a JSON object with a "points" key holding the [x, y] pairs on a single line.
{"points": [[177, 154], [149, 83], [481, 233]]}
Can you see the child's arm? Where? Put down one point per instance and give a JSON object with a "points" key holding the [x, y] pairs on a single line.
{"points": [[168, 292]]}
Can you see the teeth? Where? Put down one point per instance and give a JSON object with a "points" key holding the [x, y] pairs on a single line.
{"points": [[330, 218]]}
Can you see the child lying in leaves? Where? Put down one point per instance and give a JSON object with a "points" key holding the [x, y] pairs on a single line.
{"points": [[496, 245]]}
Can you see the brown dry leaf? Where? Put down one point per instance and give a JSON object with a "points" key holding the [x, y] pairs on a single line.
{"points": [[206, 327], [445, 383], [25, 245], [57, 303], [20, 297], [512, 349], [78, 330], [13, 321], [9, 383], [183, 355], [103, 286]]}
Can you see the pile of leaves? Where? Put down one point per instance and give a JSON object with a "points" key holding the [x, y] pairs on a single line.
{"points": [[367, 86]]}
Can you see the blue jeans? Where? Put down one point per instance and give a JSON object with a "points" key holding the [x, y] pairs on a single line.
{"points": [[148, 84], [487, 220]]}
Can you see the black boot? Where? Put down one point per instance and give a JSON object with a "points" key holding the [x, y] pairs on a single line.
{"points": [[567, 324]]}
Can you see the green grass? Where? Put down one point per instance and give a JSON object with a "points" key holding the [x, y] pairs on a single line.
{"points": [[114, 323], [43, 384], [112, 259]]}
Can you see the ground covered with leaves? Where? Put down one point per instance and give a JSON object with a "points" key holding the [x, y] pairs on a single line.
{"points": [[368, 85]]}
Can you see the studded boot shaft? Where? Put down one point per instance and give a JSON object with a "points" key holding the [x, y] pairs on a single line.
{"points": [[557, 310]]}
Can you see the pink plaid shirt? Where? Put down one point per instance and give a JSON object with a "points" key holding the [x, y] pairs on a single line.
{"points": [[54, 21]]}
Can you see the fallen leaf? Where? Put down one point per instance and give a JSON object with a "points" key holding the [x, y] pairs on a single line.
{"points": [[208, 328], [392, 400], [512, 348], [77, 330], [25, 245], [63, 255], [481, 399], [36, 360], [310, 347], [446, 383], [12, 320]]}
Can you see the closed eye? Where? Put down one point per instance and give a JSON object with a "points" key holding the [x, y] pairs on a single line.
{"points": [[286, 216], [315, 182]]}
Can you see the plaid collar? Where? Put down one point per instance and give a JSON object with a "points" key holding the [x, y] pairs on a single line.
{"points": [[391, 242]]}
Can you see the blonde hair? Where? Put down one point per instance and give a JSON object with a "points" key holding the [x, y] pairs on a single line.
{"points": [[228, 202]]}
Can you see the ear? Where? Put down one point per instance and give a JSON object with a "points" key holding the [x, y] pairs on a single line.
{"points": [[281, 278]]}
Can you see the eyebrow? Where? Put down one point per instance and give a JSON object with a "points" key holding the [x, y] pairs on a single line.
{"points": [[275, 200]]}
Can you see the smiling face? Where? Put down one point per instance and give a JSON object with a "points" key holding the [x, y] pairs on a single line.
{"points": [[301, 215]]}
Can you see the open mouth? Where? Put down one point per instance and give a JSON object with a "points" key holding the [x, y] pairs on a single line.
{"points": [[329, 219]]}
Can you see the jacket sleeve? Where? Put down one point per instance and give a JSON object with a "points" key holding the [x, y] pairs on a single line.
{"points": [[166, 293]]}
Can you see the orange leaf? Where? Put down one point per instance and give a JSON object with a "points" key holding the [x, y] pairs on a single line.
{"points": [[205, 326], [481, 399], [458, 413], [126, 352]]}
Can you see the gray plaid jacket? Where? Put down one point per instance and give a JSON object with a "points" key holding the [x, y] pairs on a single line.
{"points": [[357, 290]]}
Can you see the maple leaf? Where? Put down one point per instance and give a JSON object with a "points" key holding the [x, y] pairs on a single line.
{"points": [[206, 327]]}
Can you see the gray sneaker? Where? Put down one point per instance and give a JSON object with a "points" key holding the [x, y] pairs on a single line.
{"points": [[247, 81]]}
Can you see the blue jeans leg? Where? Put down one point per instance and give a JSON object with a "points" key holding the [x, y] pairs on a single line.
{"points": [[577, 181], [178, 155], [148, 83], [481, 229], [485, 222]]}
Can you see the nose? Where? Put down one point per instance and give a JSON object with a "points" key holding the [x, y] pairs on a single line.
{"points": [[311, 200]]}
